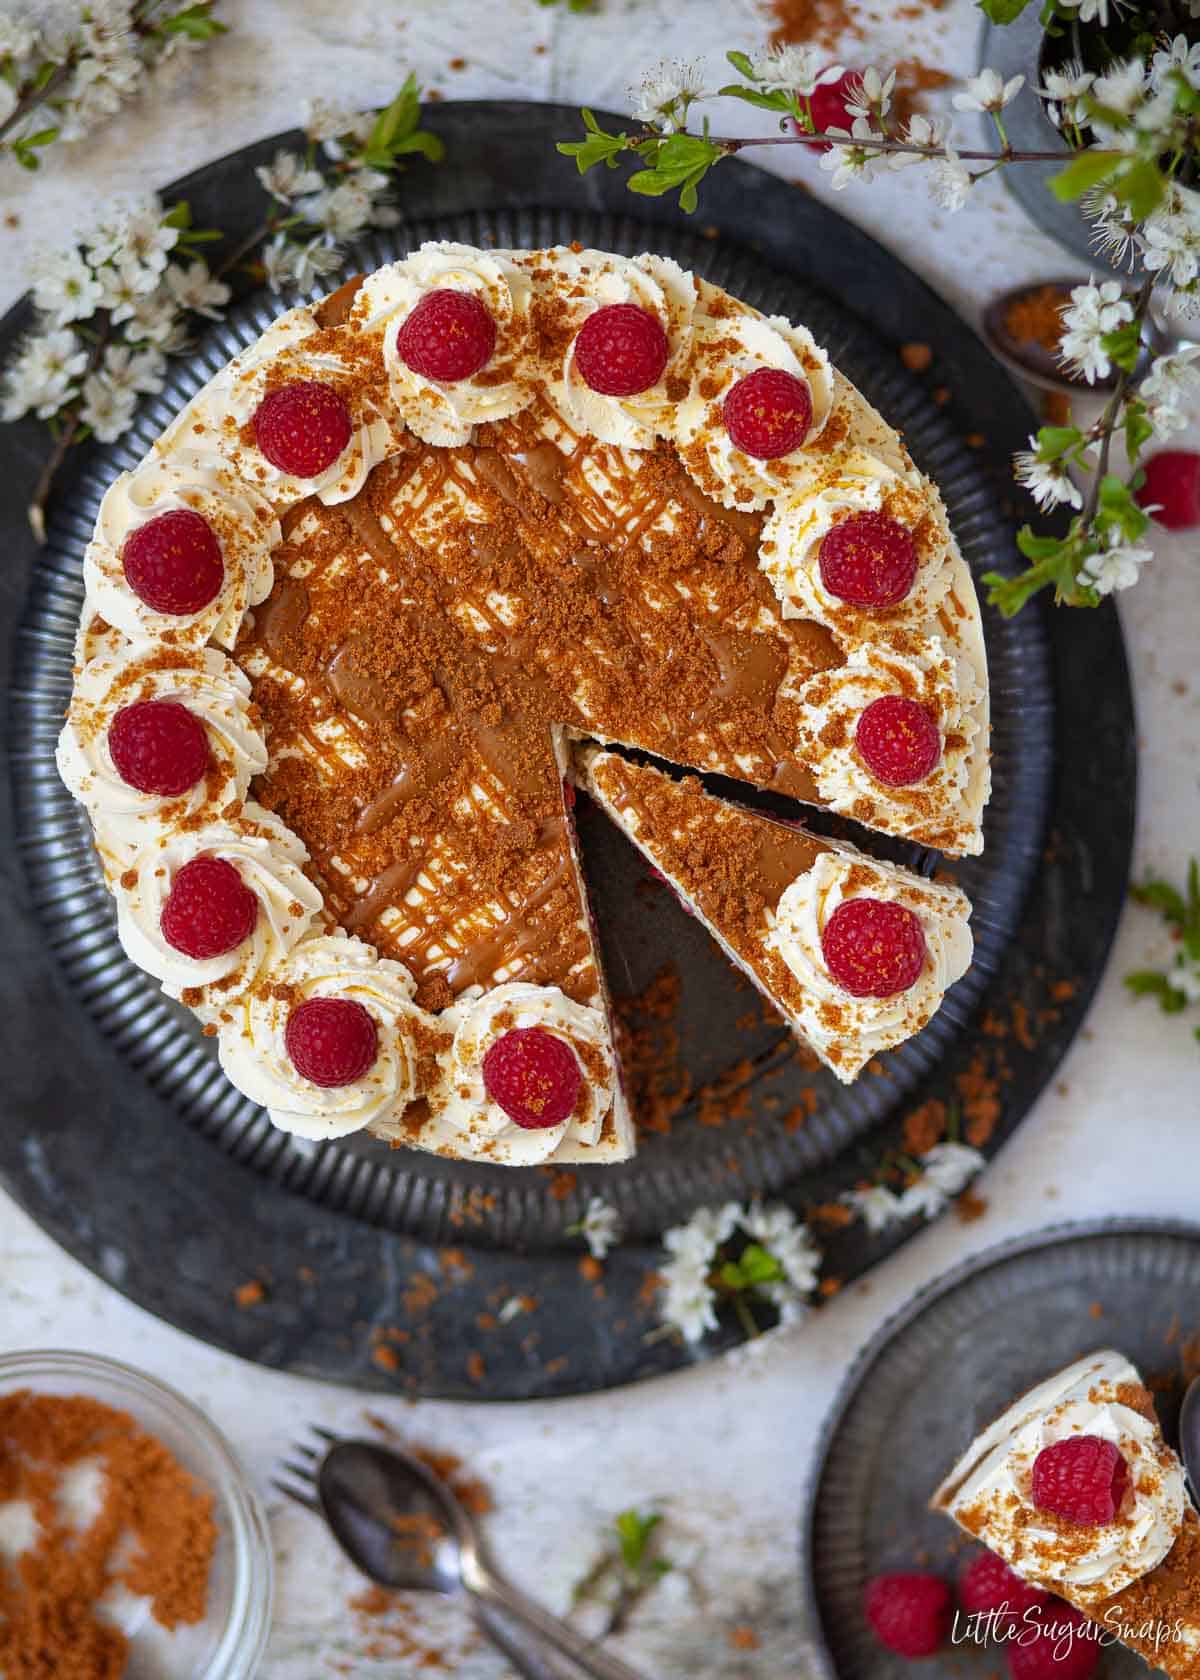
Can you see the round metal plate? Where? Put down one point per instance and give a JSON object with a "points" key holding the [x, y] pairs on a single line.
{"points": [[939, 1372], [147, 1057]]}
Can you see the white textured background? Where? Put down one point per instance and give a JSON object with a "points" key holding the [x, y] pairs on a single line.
{"points": [[724, 1455]]}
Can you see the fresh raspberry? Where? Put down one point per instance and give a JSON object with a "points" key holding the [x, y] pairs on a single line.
{"points": [[209, 910], [173, 562], [1082, 1478], [448, 336], [1063, 1646], [897, 740], [1171, 493], [158, 746], [534, 1076], [331, 1041], [868, 559], [768, 413], [873, 947], [910, 1614], [828, 106], [621, 350], [989, 1584], [302, 428]]}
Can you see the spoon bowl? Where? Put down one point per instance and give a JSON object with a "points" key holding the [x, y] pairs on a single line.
{"points": [[392, 1517]]}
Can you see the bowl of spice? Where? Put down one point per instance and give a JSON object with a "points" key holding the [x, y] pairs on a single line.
{"points": [[131, 1542]]}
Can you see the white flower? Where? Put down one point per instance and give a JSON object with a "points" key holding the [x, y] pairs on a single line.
{"points": [[699, 1238], [195, 289], [988, 91], [340, 211], [1168, 389], [920, 131], [870, 94], [946, 1169], [287, 177], [155, 316], [1112, 226], [1185, 977], [878, 1207], [1048, 482], [1170, 237], [42, 376], [688, 1303], [1121, 88], [1093, 312], [313, 261], [106, 408], [1182, 55], [1067, 85], [145, 239], [798, 69], [783, 1235], [65, 288], [600, 1227], [18, 37], [1090, 11], [851, 162], [1114, 567], [950, 180], [134, 370], [331, 124], [664, 95]]}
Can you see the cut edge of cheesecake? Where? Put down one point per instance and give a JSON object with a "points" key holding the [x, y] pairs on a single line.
{"points": [[1156, 1611], [737, 892]]}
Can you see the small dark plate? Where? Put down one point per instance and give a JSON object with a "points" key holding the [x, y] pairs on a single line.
{"points": [[939, 1372], [124, 1139]]}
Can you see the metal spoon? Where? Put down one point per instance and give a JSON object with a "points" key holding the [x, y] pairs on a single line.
{"points": [[1040, 366], [1189, 1435], [401, 1525]]}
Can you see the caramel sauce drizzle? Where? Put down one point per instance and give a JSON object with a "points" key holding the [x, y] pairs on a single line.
{"points": [[622, 628]]}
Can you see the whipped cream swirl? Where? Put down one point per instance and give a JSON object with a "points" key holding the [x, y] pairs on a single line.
{"points": [[447, 414], [730, 341], [848, 1030], [829, 706], [465, 1122], [585, 281], [214, 690], [789, 552], [988, 1490], [241, 518], [268, 857], [253, 1048], [218, 415]]}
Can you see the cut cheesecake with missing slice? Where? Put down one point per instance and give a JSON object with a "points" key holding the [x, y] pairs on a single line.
{"points": [[855, 954], [1076, 1490]]}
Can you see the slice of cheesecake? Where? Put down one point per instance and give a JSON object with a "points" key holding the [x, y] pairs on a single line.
{"points": [[855, 954], [1087, 1435]]}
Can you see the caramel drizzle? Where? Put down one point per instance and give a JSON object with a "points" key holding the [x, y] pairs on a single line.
{"points": [[557, 529]]}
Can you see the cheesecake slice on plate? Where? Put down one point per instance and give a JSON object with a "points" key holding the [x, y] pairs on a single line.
{"points": [[855, 954], [1076, 1490]]}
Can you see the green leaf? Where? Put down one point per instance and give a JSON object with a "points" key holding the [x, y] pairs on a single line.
{"points": [[1124, 344], [196, 22], [1140, 186], [1034, 547], [1056, 564], [741, 63], [1055, 441], [759, 1265], [598, 147], [1117, 509], [779, 100], [1163, 897], [1086, 169], [179, 215], [633, 1534], [1148, 982], [1002, 11], [1138, 430]]}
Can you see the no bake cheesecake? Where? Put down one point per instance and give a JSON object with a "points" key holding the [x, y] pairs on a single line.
{"points": [[344, 622], [1076, 1490]]}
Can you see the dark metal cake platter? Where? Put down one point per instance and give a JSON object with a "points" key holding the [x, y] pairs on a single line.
{"points": [[123, 1139], [938, 1372]]}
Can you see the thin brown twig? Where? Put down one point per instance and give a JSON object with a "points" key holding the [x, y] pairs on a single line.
{"points": [[1107, 423], [870, 144], [35, 97], [41, 490]]}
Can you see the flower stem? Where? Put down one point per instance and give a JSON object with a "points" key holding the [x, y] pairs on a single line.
{"points": [[243, 249], [45, 484], [733, 144]]}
